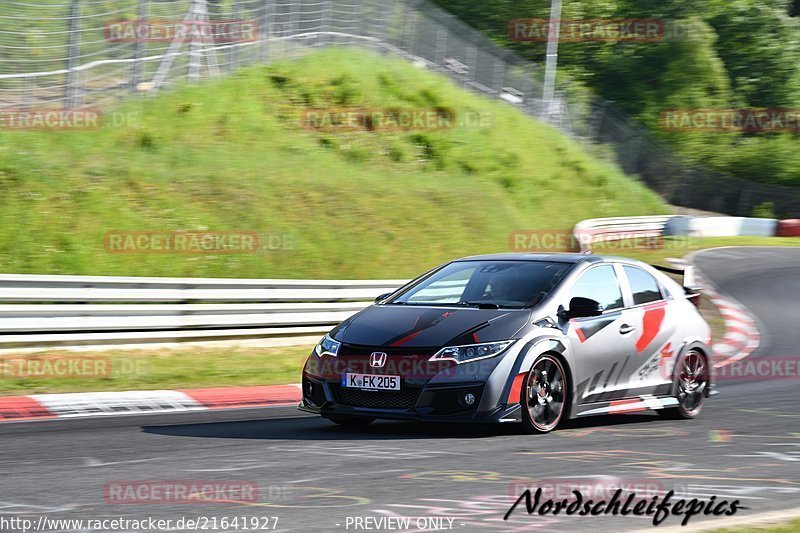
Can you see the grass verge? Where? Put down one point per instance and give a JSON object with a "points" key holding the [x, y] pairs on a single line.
{"points": [[178, 368], [232, 154]]}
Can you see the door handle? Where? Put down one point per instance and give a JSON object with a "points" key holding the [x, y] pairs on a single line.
{"points": [[624, 329]]}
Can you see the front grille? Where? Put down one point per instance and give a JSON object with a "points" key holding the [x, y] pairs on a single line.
{"points": [[405, 399], [365, 351]]}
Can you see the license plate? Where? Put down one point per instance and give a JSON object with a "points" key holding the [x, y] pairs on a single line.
{"points": [[371, 381]]}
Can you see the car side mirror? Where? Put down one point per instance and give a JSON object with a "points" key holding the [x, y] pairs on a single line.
{"points": [[580, 307], [382, 297]]}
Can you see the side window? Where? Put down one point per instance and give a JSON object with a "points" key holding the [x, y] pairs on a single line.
{"points": [[644, 287], [600, 284]]}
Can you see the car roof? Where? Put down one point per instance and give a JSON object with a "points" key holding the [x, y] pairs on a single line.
{"points": [[552, 257]]}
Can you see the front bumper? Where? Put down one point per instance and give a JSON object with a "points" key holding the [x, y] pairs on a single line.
{"points": [[442, 403]]}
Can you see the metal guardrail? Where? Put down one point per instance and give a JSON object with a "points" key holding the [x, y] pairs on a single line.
{"points": [[77, 310], [595, 230]]}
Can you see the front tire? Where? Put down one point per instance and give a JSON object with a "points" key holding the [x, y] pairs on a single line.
{"points": [[351, 421], [544, 395], [692, 375]]}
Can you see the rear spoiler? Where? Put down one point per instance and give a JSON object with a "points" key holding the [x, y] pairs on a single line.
{"points": [[690, 286]]}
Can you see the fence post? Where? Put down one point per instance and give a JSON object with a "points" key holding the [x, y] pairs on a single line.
{"points": [[410, 21], [141, 46], [294, 25], [472, 61], [72, 95], [597, 120], [441, 45], [233, 51], [195, 55], [498, 75], [30, 91], [265, 30]]}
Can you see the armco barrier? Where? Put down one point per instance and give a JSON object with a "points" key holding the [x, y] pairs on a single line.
{"points": [[595, 230], [42, 310], [74, 310], [721, 226], [788, 228]]}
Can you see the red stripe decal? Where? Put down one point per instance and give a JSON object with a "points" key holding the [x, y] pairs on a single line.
{"points": [[516, 388], [580, 334], [407, 338], [475, 337], [626, 406], [651, 325], [232, 397]]}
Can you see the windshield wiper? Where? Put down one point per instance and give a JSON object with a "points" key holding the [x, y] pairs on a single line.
{"points": [[480, 305]]}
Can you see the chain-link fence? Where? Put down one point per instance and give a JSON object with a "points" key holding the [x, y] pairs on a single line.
{"points": [[77, 53]]}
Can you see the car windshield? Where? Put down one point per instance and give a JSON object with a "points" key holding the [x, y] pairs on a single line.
{"points": [[491, 284]]}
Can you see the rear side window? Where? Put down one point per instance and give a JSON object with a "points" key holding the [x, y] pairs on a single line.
{"points": [[644, 287], [599, 284]]}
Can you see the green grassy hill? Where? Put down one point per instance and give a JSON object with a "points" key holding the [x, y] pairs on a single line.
{"points": [[230, 154]]}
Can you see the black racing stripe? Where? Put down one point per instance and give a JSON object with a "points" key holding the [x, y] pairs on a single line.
{"points": [[622, 369], [582, 388], [595, 381], [610, 373]]}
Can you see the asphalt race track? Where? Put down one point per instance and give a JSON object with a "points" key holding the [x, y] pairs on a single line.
{"points": [[315, 476]]}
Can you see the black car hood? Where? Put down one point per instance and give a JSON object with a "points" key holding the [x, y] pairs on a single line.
{"points": [[418, 326]]}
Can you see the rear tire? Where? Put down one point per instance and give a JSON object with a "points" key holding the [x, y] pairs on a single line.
{"points": [[544, 397], [351, 421], [692, 377]]}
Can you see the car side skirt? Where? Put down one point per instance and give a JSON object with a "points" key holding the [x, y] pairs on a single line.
{"points": [[645, 402]]}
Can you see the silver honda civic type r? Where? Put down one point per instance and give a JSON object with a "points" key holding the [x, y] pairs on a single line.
{"points": [[529, 338]]}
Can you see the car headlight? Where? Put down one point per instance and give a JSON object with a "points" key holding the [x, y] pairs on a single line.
{"points": [[471, 352], [327, 346]]}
